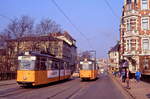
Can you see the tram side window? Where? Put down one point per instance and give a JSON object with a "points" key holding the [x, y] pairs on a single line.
{"points": [[66, 65], [48, 64], [61, 65], [55, 65], [41, 63]]}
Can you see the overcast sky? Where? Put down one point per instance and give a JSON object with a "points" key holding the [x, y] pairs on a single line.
{"points": [[93, 18]]}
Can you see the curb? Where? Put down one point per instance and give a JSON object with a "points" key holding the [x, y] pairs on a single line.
{"points": [[122, 87], [7, 84]]}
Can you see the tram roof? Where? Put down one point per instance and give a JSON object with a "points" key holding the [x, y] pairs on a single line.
{"points": [[38, 54]]}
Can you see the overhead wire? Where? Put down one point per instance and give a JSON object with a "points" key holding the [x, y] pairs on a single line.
{"points": [[111, 9], [69, 20], [116, 16], [3, 16]]}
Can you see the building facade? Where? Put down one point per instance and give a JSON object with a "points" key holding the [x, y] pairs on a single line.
{"points": [[51, 44], [135, 35], [114, 57]]}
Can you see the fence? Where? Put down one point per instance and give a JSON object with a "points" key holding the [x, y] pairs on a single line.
{"points": [[7, 75]]}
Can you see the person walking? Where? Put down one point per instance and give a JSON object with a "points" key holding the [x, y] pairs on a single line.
{"points": [[138, 75], [123, 75], [128, 77]]}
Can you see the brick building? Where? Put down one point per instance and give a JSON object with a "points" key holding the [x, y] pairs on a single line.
{"points": [[135, 35]]}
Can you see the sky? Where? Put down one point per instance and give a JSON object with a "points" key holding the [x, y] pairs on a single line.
{"points": [[92, 17]]}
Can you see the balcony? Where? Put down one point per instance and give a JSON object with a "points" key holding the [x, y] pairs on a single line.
{"points": [[131, 13], [131, 53], [131, 33], [145, 52]]}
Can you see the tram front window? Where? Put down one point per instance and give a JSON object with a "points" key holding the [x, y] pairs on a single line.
{"points": [[86, 66], [26, 64]]}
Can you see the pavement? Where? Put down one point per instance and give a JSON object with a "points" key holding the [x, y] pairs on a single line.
{"points": [[138, 90], [7, 82]]}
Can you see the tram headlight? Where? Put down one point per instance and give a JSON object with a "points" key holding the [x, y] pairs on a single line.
{"points": [[89, 62], [81, 62]]}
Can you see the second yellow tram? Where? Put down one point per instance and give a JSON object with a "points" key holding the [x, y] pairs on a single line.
{"points": [[88, 70]]}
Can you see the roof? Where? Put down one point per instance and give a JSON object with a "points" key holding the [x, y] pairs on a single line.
{"points": [[115, 48], [41, 38]]}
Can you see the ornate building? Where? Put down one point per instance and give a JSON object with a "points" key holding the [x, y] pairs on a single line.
{"points": [[135, 34]]}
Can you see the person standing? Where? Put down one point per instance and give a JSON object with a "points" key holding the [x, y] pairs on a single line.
{"points": [[128, 77], [138, 75]]}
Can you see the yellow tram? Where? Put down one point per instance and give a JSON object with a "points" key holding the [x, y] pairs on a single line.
{"points": [[36, 69], [88, 70]]}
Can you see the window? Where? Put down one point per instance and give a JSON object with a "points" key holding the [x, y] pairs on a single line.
{"points": [[55, 65], [128, 1], [128, 45], [128, 25], [133, 44], [145, 25], [146, 66], [48, 64], [135, 1], [144, 4], [145, 44], [87, 66], [26, 64]]}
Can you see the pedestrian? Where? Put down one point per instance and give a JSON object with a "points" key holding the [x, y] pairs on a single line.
{"points": [[123, 75], [138, 75], [128, 77]]}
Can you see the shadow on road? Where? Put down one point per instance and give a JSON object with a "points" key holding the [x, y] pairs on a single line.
{"points": [[146, 78], [148, 96]]}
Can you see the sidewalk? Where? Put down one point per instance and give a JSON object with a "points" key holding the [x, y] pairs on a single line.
{"points": [[139, 90], [7, 82]]}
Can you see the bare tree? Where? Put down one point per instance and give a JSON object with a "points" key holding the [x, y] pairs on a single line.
{"points": [[86, 54], [47, 26], [19, 27]]}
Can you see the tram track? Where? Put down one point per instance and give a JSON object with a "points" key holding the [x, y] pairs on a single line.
{"points": [[79, 90], [18, 90], [13, 91], [71, 91], [67, 89]]}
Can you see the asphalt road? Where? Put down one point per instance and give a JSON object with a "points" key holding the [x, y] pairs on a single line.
{"points": [[102, 88]]}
